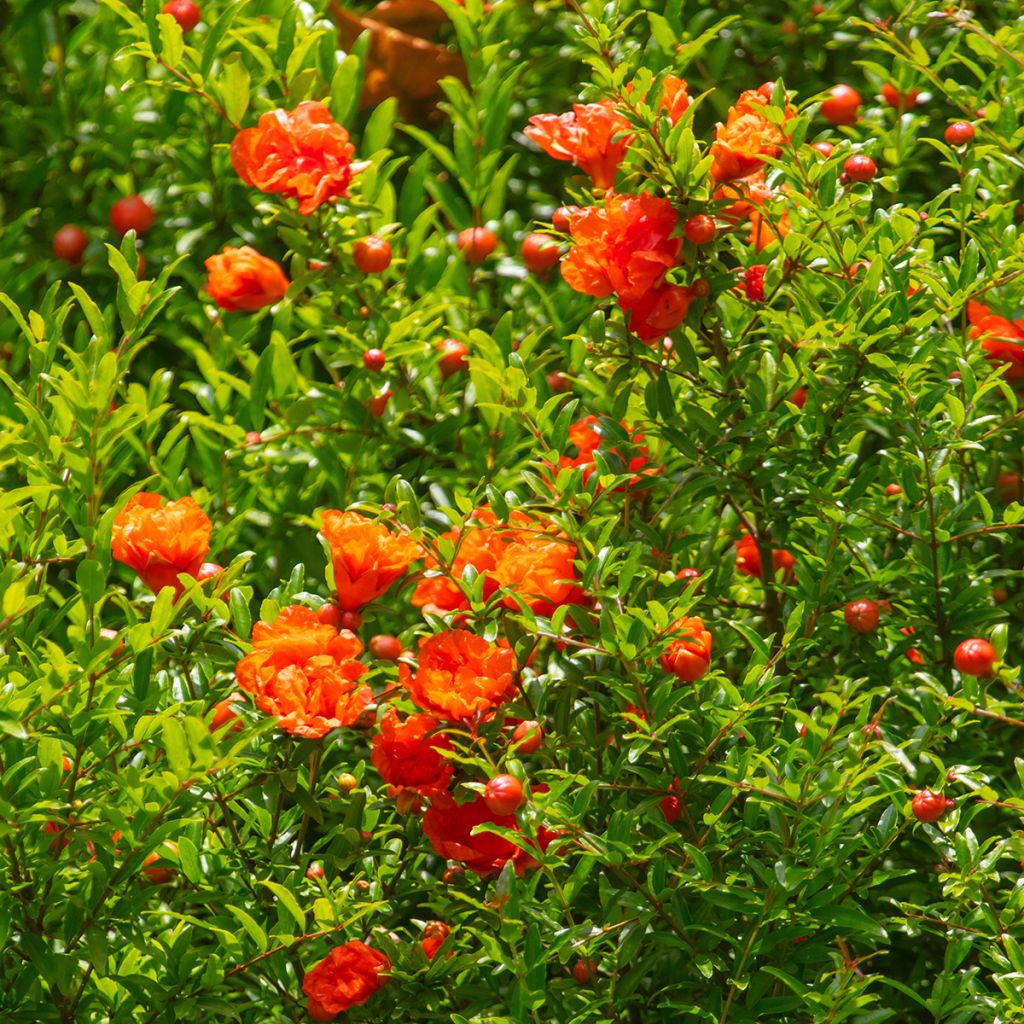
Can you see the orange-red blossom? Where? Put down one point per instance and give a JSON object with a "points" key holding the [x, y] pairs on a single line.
{"points": [[748, 558], [587, 435], [407, 754], [460, 675], [302, 154], [535, 561], [625, 247], [242, 279], [1002, 340], [305, 673], [366, 555], [161, 539], [346, 977], [746, 138], [688, 656], [449, 828], [596, 136]]}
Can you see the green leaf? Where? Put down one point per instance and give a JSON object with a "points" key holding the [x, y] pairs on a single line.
{"points": [[234, 88], [849, 918], [172, 40], [211, 48], [248, 922], [176, 745], [92, 580], [141, 674], [189, 858], [151, 9], [240, 617], [14, 598], [288, 900], [345, 87]]}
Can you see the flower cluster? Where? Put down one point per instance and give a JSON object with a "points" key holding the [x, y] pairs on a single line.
{"points": [[302, 154], [627, 245]]}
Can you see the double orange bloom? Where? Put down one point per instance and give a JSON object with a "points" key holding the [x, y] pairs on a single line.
{"points": [[303, 155], [688, 655], [242, 279], [587, 435], [532, 560], [625, 248], [161, 541], [748, 558], [1002, 340], [305, 673], [460, 675], [347, 977], [367, 557], [595, 136], [747, 137], [449, 827], [407, 756]]}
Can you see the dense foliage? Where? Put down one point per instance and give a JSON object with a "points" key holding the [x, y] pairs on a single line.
{"points": [[364, 402]]}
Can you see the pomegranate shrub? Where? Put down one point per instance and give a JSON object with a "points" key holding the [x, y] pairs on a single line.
{"points": [[511, 512]]}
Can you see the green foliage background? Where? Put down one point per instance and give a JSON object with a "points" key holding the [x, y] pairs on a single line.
{"points": [[796, 886]]}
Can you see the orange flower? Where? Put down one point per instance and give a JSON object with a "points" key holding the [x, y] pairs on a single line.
{"points": [[748, 558], [913, 654], [622, 247], [587, 435], [460, 675], [242, 279], [1002, 340], [161, 541], [593, 136], [744, 140], [406, 757], [477, 544], [449, 828], [741, 197], [538, 567], [675, 100], [670, 805], [305, 672], [657, 312], [689, 656], [523, 554], [304, 155], [347, 977], [625, 248], [434, 936], [367, 557], [764, 229]]}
